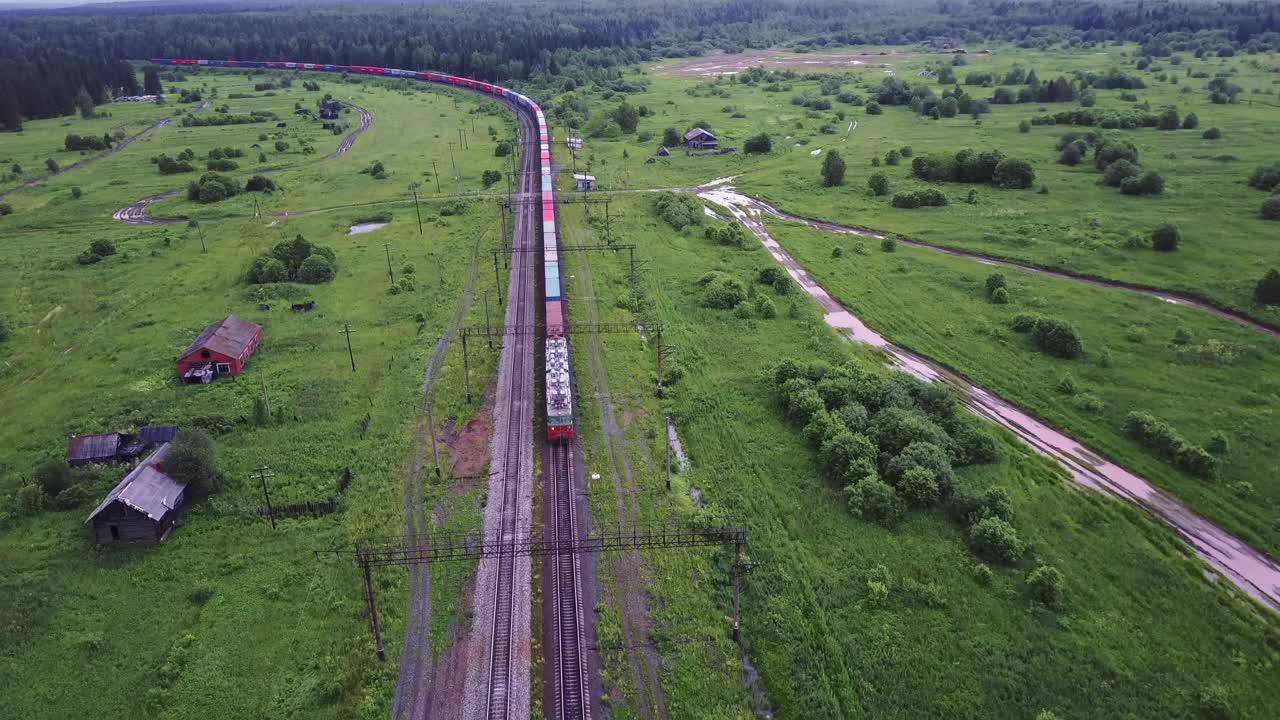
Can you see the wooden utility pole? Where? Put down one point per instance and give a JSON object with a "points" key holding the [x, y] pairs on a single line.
{"points": [[737, 582], [497, 278], [264, 472], [466, 367], [435, 174], [431, 428], [488, 332], [262, 380], [371, 598], [392, 275], [502, 214], [346, 330], [416, 209]]}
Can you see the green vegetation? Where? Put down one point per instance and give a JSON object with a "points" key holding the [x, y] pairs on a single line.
{"points": [[90, 349], [930, 616], [940, 306]]}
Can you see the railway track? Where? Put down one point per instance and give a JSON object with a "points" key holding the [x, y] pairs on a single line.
{"points": [[508, 692], [572, 699]]}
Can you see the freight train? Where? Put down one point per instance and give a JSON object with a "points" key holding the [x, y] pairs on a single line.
{"points": [[557, 387]]}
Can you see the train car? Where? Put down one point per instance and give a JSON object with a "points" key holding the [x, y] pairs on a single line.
{"points": [[559, 393]]}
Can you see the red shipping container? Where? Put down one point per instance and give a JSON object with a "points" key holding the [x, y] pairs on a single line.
{"points": [[555, 319]]}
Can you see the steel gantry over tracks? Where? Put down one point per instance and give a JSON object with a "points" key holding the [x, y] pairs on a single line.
{"points": [[406, 552]]}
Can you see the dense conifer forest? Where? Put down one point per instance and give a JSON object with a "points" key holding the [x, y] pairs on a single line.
{"points": [[560, 37]]}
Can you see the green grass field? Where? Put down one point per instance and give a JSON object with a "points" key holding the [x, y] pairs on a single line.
{"points": [[1143, 634], [1080, 226], [228, 618]]}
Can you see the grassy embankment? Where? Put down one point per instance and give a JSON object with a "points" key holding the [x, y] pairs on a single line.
{"points": [[228, 618], [1079, 226], [1143, 633]]}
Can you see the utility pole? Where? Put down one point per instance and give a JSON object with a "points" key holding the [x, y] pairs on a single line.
{"points": [[387, 247], [416, 209], [373, 604], [262, 380], [737, 582], [264, 472], [255, 208], [456, 178], [346, 330], [462, 140], [435, 174], [203, 249], [502, 213], [488, 332], [496, 280]]}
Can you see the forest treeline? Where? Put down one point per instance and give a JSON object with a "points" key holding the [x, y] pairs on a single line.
{"points": [[45, 55]]}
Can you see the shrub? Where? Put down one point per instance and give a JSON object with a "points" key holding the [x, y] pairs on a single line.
{"points": [[671, 137], [968, 507], [1109, 150], [983, 575], [51, 165], [1150, 183], [1271, 208], [995, 281], [970, 446], [1166, 238], [803, 403], [925, 456], [281, 146], [892, 157], [1267, 291], [1071, 155], [76, 192], [102, 248], [837, 252], [1119, 171], [874, 500], [5, 330], [490, 177], [919, 488], [5, 209], [266, 269], [996, 539], [1066, 385], [878, 183], [1000, 297], [502, 149], [191, 461], [1013, 174], [1212, 133], [260, 183], [1045, 583], [765, 308], [1024, 127], [316, 269], [212, 187], [1190, 122], [833, 167], [1213, 703], [758, 144], [1057, 338], [52, 477], [873, 108], [847, 456], [896, 428], [1265, 177], [1023, 322], [889, 245], [679, 210], [723, 292], [223, 165]]}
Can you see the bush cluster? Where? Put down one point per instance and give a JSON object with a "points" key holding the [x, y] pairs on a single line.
{"points": [[679, 210], [721, 291], [1050, 335], [1164, 439], [211, 188], [88, 142], [293, 260], [919, 198], [98, 249], [890, 440], [214, 119], [970, 166], [731, 235]]}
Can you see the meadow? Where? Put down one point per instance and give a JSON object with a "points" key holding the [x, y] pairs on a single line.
{"points": [[228, 617], [1142, 632], [1078, 226]]}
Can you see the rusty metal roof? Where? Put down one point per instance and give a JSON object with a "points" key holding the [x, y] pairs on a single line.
{"points": [[229, 337], [93, 447], [157, 435], [146, 489]]}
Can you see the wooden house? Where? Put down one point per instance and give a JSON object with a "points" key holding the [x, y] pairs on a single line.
{"points": [[699, 139], [663, 151], [142, 508], [221, 349], [584, 183]]}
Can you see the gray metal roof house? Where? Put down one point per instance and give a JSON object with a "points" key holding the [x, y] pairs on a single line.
{"points": [[142, 508], [699, 139]]}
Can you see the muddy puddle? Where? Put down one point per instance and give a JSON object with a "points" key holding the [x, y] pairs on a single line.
{"points": [[1248, 569], [363, 228]]}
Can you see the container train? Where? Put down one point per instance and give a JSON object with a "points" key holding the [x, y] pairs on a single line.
{"points": [[557, 387]]}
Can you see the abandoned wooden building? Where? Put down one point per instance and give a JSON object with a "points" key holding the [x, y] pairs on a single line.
{"points": [[663, 151], [584, 183], [699, 139], [221, 349], [142, 508], [330, 110], [110, 448]]}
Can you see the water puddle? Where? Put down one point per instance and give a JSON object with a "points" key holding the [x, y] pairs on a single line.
{"points": [[676, 449], [751, 680], [366, 228], [1250, 570]]}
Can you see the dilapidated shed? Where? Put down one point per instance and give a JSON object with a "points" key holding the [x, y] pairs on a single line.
{"points": [[142, 508], [86, 449]]}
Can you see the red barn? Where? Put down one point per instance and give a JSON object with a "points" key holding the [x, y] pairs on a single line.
{"points": [[221, 349]]}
